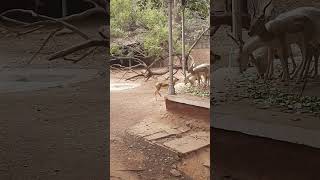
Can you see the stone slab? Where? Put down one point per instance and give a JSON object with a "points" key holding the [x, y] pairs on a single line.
{"points": [[154, 130], [274, 128], [190, 142], [190, 100]]}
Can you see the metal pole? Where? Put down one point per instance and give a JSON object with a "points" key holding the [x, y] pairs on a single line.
{"points": [[171, 86], [183, 42], [64, 8]]}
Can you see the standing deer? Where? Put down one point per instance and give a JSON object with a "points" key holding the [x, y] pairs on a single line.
{"points": [[303, 69], [257, 28], [202, 70], [299, 26], [191, 79]]}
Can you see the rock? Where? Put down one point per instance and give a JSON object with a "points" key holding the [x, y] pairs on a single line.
{"points": [[264, 107], [296, 119], [175, 173]]}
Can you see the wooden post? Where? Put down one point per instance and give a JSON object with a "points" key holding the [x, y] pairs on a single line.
{"points": [[183, 42], [171, 86], [236, 19], [64, 8]]}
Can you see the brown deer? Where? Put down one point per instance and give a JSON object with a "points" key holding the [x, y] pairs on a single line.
{"points": [[202, 70], [300, 26], [257, 28], [163, 84]]}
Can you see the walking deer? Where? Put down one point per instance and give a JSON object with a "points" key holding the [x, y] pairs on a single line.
{"points": [[163, 84]]}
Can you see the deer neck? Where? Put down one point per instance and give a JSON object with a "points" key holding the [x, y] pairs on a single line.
{"points": [[265, 35], [252, 44]]}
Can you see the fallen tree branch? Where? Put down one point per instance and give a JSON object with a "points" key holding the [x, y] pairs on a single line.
{"points": [[57, 21], [13, 21], [113, 58], [43, 44], [81, 57], [29, 31], [84, 45], [83, 15]]}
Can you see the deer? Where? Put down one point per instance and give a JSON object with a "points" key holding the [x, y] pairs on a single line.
{"points": [[191, 78], [316, 55], [202, 70], [163, 84], [256, 28], [296, 26], [305, 21], [312, 52]]}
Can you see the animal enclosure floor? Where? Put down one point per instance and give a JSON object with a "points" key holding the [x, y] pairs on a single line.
{"points": [[30, 78], [52, 133], [242, 115], [129, 108]]}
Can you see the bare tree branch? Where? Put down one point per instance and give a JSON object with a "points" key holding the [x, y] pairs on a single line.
{"points": [[84, 45], [43, 44]]}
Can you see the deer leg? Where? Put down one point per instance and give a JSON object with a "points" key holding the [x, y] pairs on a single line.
{"points": [[295, 74], [155, 94], [199, 80], [302, 70], [285, 58], [294, 65], [316, 60], [272, 68], [309, 59], [266, 74], [269, 72], [304, 59], [297, 70], [284, 64]]}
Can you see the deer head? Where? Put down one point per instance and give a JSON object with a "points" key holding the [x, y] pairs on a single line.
{"points": [[241, 57], [257, 25], [190, 69], [175, 79]]}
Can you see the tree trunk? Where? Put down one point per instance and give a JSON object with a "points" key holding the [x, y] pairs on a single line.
{"points": [[236, 19], [171, 87]]}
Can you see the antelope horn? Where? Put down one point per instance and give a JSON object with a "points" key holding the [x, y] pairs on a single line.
{"points": [[238, 43], [265, 8], [234, 39], [254, 10]]}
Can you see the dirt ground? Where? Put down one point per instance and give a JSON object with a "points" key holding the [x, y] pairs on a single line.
{"points": [[54, 133], [127, 108], [136, 160]]}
